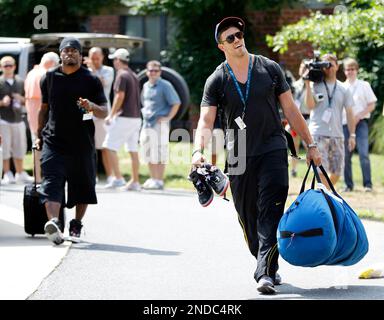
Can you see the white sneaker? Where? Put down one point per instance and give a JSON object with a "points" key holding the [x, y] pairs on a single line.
{"points": [[154, 185], [116, 183], [23, 177], [147, 183], [110, 179], [266, 286], [132, 186], [8, 178]]}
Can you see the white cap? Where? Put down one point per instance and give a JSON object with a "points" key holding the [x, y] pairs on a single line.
{"points": [[51, 56], [121, 54]]}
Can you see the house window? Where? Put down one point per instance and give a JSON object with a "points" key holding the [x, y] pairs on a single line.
{"points": [[151, 27]]}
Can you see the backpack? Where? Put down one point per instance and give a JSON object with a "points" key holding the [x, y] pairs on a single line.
{"points": [[274, 75]]}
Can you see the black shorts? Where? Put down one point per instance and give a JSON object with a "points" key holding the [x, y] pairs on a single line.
{"points": [[79, 171]]}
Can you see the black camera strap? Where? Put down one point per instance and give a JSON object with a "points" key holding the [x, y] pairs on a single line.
{"points": [[330, 97]]}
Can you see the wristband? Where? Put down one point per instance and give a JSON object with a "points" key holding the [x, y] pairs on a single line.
{"points": [[312, 145], [353, 135]]}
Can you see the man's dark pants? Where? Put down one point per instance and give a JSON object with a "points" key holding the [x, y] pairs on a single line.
{"points": [[259, 196], [362, 146], [78, 170]]}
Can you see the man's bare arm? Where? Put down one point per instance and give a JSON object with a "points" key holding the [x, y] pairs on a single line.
{"points": [[100, 111], [42, 121], [203, 133], [297, 122]]}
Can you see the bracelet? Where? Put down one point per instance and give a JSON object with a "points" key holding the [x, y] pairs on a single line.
{"points": [[197, 150], [312, 145]]}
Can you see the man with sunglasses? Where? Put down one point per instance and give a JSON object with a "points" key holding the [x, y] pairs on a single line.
{"points": [[12, 126], [249, 100], [160, 104]]}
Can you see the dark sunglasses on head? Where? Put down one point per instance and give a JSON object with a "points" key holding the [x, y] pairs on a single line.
{"points": [[154, 71], [8, 65], [239, 35]]}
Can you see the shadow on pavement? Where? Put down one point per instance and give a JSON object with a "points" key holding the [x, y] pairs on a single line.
{"points": [[342, 292], [123, 249]]}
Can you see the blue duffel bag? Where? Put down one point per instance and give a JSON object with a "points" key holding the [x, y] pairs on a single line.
{"points": [[320, 228]]}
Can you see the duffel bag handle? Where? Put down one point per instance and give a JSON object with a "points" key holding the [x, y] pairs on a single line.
{"points": [[326, 177], [305, 180], [317, 177]]}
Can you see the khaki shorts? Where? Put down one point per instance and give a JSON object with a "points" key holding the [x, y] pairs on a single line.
{"points": [[123, 131], [154, 143], [14, 140], [100, 132], [332, 154]]}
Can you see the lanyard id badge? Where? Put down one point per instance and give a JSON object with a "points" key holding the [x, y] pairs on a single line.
{"points": [[240, 120], [87, 116], [240, 123]]}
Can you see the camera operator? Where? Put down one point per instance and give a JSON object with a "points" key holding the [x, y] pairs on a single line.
{"points": [[326, 99]]}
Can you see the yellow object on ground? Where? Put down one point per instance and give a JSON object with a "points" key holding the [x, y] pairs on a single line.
{"points": [[372, 273]]}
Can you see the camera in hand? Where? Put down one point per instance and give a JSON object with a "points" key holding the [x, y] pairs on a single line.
{"points": [[315, 67]]}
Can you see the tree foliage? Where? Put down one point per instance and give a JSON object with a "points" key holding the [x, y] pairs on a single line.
{"points": [[342, 32], [16, 16], [193, 50], [355, 29]]}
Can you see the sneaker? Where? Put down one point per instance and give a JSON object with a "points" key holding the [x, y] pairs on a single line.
{"points": [[53, 232], [347, 189], [131, 186], [266, 286], [115, 183], [204, 190], [368, 189], [110, 179], [278, 280], [147, 183], [8, 178], [218, 181], [154, 185], [23, 177], [75, 229]]}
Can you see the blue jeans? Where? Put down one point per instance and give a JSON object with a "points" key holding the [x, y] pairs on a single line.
{"points": [[362, 146]]}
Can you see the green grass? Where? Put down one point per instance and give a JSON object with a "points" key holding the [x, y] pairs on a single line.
{"points": [[368, 206]]}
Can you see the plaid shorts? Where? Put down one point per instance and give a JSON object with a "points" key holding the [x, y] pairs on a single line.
{"points": [[332, 153]]}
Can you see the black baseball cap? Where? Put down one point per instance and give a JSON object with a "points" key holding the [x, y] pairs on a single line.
{"points": [[70, 42], [228, 22]]}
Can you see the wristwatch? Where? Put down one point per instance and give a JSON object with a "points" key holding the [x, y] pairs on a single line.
{"points": [[312, 145], [353, 135]]}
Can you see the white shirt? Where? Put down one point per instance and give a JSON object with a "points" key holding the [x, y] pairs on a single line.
{"points": [[362, 94], [107, 73]]}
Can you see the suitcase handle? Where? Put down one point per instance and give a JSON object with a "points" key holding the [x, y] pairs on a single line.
{"points": [[34, 148]]}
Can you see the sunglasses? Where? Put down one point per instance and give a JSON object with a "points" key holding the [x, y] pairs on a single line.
{"points": [[8, 65], [231, 38], [154, 71]]}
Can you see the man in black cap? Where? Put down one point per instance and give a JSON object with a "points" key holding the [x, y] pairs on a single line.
{"points": [[248, 88], [71, 95]]}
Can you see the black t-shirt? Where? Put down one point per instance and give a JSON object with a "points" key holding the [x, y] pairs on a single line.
{"points": [[263, 131], [66, 131]]}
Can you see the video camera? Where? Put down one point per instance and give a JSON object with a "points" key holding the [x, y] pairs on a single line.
{"points": [[315, 67]]}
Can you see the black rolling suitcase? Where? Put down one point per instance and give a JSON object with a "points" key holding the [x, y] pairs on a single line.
{"points": [[35, 215]]}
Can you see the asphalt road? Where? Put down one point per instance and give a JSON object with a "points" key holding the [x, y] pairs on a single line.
{"points": [[163, 245]]}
